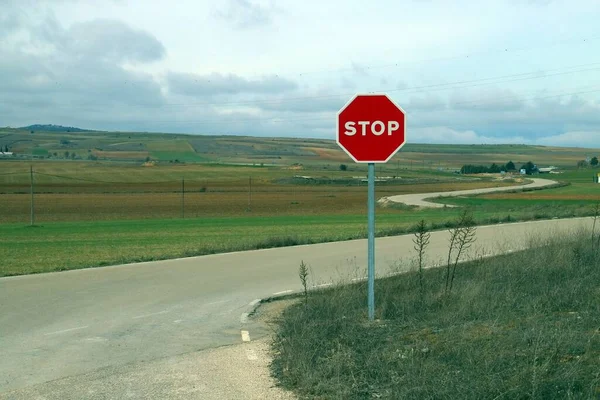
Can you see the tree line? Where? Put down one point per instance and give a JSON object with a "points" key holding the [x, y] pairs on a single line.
{"points": [[529, 168]]}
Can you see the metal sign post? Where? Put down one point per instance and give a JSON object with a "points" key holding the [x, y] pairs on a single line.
{"points": [[371, 128], [371, 241]]}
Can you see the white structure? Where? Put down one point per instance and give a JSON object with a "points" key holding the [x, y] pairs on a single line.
{"points": [[6, 154]]}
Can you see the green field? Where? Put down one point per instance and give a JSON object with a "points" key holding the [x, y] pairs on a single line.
{"points": [[206, 194], [60, 246], [520, 326]]}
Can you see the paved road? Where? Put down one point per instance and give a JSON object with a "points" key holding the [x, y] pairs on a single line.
{"points": [[108, 321], [418, 199]]}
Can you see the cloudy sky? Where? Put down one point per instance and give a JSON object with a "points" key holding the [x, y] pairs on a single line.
{"points": [[465, 71]]}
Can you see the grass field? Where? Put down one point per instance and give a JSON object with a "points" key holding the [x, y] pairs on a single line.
{"points": [[240, 193], [72, 191], [521, 326], [87, 222], [56, 246], [581, 194]]}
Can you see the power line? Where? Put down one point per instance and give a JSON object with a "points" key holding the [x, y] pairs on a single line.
{"points": [[99, 181], [178, 182], [539, 74], [419, 89], [460, 103], [449, 58], [225, 120]]}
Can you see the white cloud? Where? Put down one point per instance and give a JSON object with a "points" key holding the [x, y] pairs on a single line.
{"points": [[446, 135], [216, 83], [150, 66], [574, 139], [246, 14], [427, 102]]}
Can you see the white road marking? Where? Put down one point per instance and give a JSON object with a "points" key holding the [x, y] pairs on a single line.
{"points": [[177, 321], [282, 292], [359, 279], [150, 315], [251, 354], [244, 318], [254, 302], [245, 336], [324, 285], [66, 330]]}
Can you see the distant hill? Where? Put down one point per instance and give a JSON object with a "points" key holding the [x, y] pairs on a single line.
{"points": [[54, 128]]}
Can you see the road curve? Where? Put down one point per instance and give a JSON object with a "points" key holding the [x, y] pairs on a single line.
{"points": [[419, 199], [58, 326]]}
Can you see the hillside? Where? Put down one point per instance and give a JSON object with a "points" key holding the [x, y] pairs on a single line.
{"points": [[56, 142], [53, 128]]}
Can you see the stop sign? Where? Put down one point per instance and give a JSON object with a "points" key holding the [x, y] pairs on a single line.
{"points": [[371, 128]]}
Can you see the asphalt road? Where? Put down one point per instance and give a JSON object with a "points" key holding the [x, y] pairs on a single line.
{"points": [[419, 199], [114, 319]]}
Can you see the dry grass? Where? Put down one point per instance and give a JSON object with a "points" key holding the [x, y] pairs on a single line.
{"points": [[521, 326], [61, 202]]}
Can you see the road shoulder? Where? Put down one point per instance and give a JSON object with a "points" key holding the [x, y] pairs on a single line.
{"points": [[240, 371]]}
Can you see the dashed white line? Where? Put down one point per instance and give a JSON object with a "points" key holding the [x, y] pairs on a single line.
{"points": [[150, 315], [282, 292], [254, 302], [359, 279], [245, 336], [244, 318], [177, 321], [66, 330]]}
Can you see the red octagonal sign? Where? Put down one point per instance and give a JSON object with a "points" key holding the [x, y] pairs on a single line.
{"points": [[371, 128]]}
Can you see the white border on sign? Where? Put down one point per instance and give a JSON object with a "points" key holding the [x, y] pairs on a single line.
{"points": [[337, 127]]}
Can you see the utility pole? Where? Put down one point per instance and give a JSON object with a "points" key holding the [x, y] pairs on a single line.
{"points": [[182, 198], [32, 190]]}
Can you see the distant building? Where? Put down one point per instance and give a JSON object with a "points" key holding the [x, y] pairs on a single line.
{"points": [[6, 154], [523, 171], [546, 170]]}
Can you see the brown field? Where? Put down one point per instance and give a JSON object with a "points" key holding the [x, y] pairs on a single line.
{"points": [[224, 201], [329, 154]]}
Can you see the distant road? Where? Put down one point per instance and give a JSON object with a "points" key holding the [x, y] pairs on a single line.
{"points": [[419, 199]]}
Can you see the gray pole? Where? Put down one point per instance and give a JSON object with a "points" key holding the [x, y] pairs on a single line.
{"points": [[371, 241], [32, 190]]}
